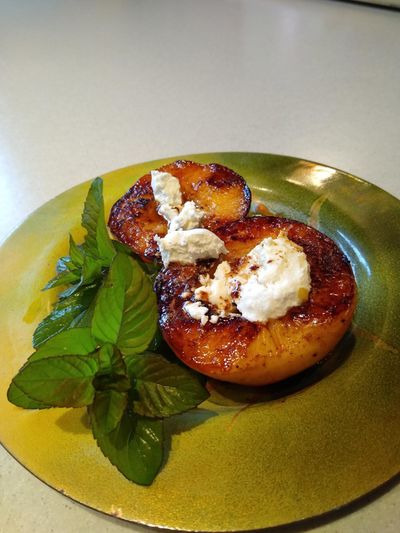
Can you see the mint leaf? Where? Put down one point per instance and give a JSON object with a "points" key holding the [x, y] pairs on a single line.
{"points": [[90, 272], [58, 381], [108, 408], [151, 269], [139, 319], [75, 253], [75, 341], [121, 247], [111, 361], [85, 263], [156, 342], [97, 240], [91, 269], [68, 312], [135, 446], [84, 320], [18, 397], [62, 278], [125, 312], [107, 316], [68, 267], [83, 268], [112, 374], [163, 388], [105, 355]]}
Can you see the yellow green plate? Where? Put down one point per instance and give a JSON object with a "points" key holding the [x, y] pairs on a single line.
{"points": [[247, 458]]}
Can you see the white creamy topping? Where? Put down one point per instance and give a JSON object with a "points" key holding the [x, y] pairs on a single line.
{"points": [[274, 277], [216, 291], [187, 247], [189, 217], [167, 192], [168, 212], [280, 280], [166, 188], [186, 242], [197, 311]]}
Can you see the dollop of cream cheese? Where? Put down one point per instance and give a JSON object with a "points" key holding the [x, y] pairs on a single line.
{"points": [[273, 277], [197, 311], [166, 189], [189, 217], [217, 291], [186, 241], [187, 247]]}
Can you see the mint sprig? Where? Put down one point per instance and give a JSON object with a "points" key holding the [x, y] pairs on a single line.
{"points": [[75, 341], [97, 241], [108, 409], [162, 388], [83, 270], [135, 446], [18, 397], [68, 312], [126, 311], [92, 351], [65, 381]]}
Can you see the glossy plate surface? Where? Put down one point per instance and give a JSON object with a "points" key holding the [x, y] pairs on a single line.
{"points": [[247, 458]]}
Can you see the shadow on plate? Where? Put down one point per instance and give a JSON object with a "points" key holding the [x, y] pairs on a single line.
{"points": [[229, 394], [74, 421], [175, 425]]}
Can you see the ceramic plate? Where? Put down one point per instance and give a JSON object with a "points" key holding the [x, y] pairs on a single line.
{"points": [[247, 458]]}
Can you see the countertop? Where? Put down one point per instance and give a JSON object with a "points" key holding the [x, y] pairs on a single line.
{"points": [[87, 87]]}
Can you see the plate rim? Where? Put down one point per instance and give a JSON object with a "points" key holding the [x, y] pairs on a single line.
{"points": [[346, 508]]}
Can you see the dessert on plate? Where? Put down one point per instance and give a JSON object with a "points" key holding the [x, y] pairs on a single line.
{"points": [[249, 300]]}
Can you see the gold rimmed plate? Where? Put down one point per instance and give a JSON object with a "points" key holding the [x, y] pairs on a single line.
{"points": [[247, 458]]}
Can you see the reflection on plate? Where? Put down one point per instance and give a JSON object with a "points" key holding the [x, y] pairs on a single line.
{"points": [[248, 458]]}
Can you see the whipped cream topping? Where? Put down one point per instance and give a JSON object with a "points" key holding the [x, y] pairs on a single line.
{"points": [[188, 246], [166, 189], [272, 278], [275, 278], [186, 241], [189, 217], [197, 311]]}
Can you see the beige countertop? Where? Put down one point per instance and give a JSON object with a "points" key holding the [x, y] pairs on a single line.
{"points": [[87, 87]]}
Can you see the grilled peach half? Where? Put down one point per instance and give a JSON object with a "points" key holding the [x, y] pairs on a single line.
{"points": [[254, 353], [221, 193]]}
